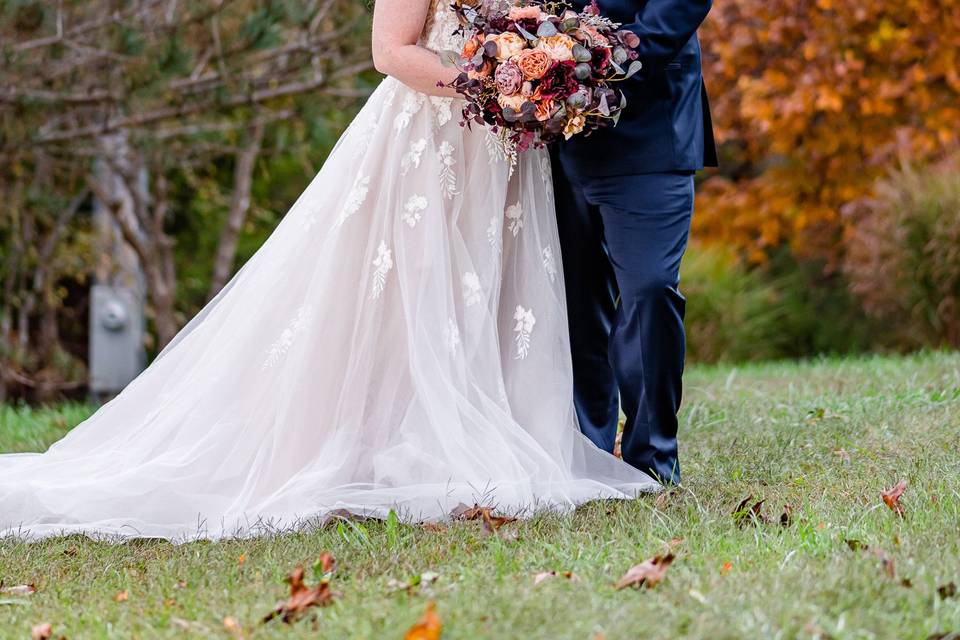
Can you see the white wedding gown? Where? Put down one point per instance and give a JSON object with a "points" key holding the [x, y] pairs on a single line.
{"points": [[400, 342]]}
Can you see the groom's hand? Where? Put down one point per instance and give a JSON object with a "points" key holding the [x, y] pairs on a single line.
{"points": [[664, 27]]}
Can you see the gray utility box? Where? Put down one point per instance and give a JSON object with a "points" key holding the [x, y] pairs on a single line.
{"points": [[116, 339]]}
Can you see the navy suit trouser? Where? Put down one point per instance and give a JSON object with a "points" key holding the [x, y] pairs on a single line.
{"points": [[622, 240]]}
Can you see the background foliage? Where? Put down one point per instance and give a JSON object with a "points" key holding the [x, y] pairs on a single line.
{"points": [[832, 226]]}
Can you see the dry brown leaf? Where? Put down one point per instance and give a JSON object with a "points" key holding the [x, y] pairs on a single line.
{"points": [[242, 560], [888, 565], [121, 596], [489, 522], [891, 497], [19, 590], [786, 518], [429, 627], [232, 626], [43, 631], [327, 563], [675, 542], [857, 545], [744, 516], [549, 575], [434, 527], [725, 569], [646, 574], [301, 598]]}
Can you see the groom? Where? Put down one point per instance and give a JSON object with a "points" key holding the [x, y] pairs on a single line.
{"points": [[624, 203]]}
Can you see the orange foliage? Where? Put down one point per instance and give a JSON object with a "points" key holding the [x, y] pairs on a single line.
{"points": [[813, 101]]}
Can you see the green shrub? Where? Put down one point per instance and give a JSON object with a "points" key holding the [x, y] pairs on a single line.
{"points": [[903, 255], [732, 313]]}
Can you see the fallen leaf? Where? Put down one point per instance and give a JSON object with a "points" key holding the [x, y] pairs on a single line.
{"points": [[891, 497], [434, 527], [417, 583], [428, 627], [744, 516], [19, 590], [888, 566], [43, 631], [857, 545], [816, 632], [648, 573], [324, 567], [675, 542], [301, 598], [490, 522], [725, 569], [233, 626], [550, 575], [786, 518], [242, 560], [122, 596], [948, 590]]}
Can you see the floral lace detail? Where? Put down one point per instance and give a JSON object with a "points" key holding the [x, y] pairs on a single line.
{"points": [[412, 104], [282, 345], [364, 138], [514, 215], [413, 210], [495, 236], [549, 262], [411, 159], [546, 172], [355, 200], [448, 177], [525, 321], [451, 336], [472, 291], [442, 108], [442, 34], [383, 264]]}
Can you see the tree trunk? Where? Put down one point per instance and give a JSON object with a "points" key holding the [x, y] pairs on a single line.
{"points": [[226, 254]]}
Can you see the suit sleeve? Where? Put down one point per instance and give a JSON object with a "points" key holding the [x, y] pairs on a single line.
{"points": [[664, 26]]}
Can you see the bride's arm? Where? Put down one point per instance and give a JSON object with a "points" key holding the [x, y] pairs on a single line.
{"points": [[397, 25]]}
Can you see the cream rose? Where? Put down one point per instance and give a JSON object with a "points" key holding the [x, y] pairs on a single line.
{"points": [[513, 102], [508, 45], [558, 47]]}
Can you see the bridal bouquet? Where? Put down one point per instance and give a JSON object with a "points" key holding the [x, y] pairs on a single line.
{"points": [[535, 70]]}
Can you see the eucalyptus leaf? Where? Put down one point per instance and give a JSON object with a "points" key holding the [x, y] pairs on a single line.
{"points": [[581, 53], [526, 34], [450, 58], [546, 30], [634, 68]]}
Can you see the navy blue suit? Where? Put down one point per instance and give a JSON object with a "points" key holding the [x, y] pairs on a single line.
{"points": [[624, 206]]}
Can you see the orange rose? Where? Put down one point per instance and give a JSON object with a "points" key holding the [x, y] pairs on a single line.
{"points": [[482, 72], [534, 63], [471, 47], [523, 13], [545, 109]]}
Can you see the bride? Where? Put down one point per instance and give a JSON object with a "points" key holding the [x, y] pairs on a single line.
{"points": [[400, 342]]}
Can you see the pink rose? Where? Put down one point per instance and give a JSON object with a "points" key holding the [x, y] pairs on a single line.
{"points": [[509, 78], [525, 13]]}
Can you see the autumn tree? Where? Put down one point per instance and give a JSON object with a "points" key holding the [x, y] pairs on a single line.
{"points": [[814, 101], [140, 105]]}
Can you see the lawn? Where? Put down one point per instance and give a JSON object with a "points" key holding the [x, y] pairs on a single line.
{"points": [[825, 437]]}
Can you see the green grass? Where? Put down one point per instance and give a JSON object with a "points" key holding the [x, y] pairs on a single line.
{"points": [[772, 431]]}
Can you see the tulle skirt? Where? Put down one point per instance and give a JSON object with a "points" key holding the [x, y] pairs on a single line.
{"points": [[399, 343]]}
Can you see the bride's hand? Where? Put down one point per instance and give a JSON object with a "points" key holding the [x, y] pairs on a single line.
{"points": [[397, 26]]}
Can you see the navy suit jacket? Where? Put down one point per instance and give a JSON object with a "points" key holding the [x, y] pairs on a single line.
{"points": [[666, 125]]}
